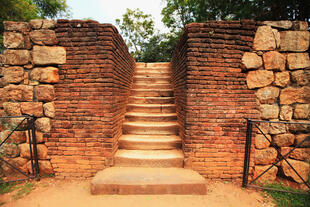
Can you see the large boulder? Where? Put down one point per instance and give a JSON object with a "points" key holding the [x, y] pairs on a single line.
{"points": [[269, 111], [13, 74], [259, 78], [268, 95], [39, 137], [251, 60], [265, 156], [301, 167], [298, 61], [32, 108], [284, 140], [302, 154], [301, 137], [295, 95], [283, 24], [45, 93], [49, 109], [25, 151], [45, 167], [282, 79], [261, 142], [16, 57], [274, 60], [44, 55], [44, 37], [12, 40], [16, 26], [302, 111], [269, 176], [301, 77], [295, 41], [277, 128], [9, 150], [17, 137], [12, 109], [43, 124], [286, 113], [264, 39], [45, 75]]}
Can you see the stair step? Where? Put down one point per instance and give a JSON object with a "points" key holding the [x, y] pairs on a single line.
{"points": [[152, 92], [153, 72], [153, 65], [149, 158], [151, 100], [152, 86], [150, 128], [139, 116], [149, 142], [151, 108], [139, 180], [149, 80]]}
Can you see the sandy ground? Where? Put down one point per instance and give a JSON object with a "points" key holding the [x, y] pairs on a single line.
{"points": [[51, 192]]}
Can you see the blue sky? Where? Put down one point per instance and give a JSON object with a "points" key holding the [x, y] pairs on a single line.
{"points": [[106, 11]]}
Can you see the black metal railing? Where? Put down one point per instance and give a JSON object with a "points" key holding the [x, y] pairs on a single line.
{"points": [[252, 124], [25, 123]]}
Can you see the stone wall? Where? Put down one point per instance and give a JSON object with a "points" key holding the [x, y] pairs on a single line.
{"points": [[29, 73], [212, 96], [278, 72]]}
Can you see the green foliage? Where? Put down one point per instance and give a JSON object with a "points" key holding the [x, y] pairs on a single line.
{"points": [[283, 199], [158, 49], [6, 187], [137, 28], [52, 8], [24, 190]]}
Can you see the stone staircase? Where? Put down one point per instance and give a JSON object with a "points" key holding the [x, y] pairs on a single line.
{"points": [[149, 159]]}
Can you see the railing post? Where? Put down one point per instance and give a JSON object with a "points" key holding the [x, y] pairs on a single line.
{"points": [[247, 154], [35, 152]]}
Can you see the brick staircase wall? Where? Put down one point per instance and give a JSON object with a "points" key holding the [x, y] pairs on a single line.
{"points": [[212, 97], [91, 98]]}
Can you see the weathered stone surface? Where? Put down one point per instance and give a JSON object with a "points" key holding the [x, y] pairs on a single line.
{"points": [[277, 38], [274, 60], [27, 92], [268, 95], [19, 162], [264, 127], [9, 150], [298, 61], [13, 93], [2, 59], [299, 127], [44, 37], [265, 156], [269, 176], [294, 95], [301, 137], [261, 142], [284, 140], [269, 111], [44, 166], [44, 55], [16, 57], [12, 109], [302, 154], [295, 41], [16, 26], [39, 137], [301, 167], [49, 109], [302, 111], [277, 128], [300, 25], [286, 113], [36, 23], [282, 79], [48, 24], [301, 77], [284, 24], [32, 108], [251, 60], [25, 151], [43, 124], [13, 74], [45, 75], [45, 93], [259, 78], [17, 137], [12, 40], [264, 39]]}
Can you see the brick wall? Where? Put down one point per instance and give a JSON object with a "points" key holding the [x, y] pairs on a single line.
{"points": [[212, 96], [90, 98]]}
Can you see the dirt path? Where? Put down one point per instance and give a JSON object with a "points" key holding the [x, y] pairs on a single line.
{"points": [[58, 193]]}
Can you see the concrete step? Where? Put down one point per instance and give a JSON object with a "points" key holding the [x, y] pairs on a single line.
{"points": [[151, 108], [153, 65], [139, 116], [139, 180], [149, 142], [149, 158], [150, 80], [152, 92], [145, 128], [153, 72], [151, 100], [152, 86]]}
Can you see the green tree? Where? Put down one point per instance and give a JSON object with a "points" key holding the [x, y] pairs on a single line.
{"points": [[137, 29]]}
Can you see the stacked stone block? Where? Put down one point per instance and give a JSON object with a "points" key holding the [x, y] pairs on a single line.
{"points": [[212, 97], [29, 71], [278, 71]]}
